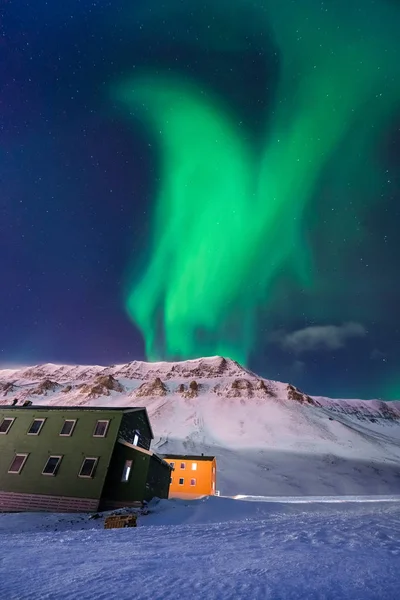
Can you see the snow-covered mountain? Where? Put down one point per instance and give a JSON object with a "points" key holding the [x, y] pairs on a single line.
{"points": [[269, 437]]}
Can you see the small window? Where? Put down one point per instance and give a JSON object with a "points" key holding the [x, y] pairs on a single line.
{"points": [[183, 466], [36, 427], [101, 429], [136, 439], [170, 479], [68, 428], [213, 485], [172, 465], [181, 481], [52, 465], [18, 463], [6, 425], [213, 470], [127, 470], [192, 482], [88, 467], [194, 466]]}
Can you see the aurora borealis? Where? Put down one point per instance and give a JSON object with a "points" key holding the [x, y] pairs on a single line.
{"points": [[248, 193]]}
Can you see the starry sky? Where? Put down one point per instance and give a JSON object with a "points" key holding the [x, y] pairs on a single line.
{"points": [[180, 179]]}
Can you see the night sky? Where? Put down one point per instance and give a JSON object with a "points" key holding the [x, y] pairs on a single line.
{"points": [[182, 179]]}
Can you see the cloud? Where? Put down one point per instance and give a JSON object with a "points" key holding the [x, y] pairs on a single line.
{"points": [[377, 354], [321, 337]]}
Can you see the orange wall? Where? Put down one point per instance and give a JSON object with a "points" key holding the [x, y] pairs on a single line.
{"points": [[204, 476]]}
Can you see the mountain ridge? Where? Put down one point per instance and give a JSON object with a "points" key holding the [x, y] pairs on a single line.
{"points": [[270, 438]]}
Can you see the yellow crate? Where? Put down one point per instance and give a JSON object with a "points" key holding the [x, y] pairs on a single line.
{"points": [[119, 521]]}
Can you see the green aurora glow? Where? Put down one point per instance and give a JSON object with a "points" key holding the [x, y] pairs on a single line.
{"points": [[229, 213]]}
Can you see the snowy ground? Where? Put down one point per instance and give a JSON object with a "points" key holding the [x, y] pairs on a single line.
{"points": [[213, 548]]}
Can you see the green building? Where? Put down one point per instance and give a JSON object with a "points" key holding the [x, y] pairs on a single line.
{"points": [[76, 459]]}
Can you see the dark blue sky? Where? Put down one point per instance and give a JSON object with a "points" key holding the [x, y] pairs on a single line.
{"points": [[76, 187]]}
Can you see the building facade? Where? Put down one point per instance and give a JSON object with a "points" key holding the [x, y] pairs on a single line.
{"points": [[192, 476], [75, 459]]}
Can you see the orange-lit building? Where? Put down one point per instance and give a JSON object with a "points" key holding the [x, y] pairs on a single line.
{"points": [[192, 475]]}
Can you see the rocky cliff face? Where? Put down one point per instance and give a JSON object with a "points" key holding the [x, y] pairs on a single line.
{"points": [[137, 381]]}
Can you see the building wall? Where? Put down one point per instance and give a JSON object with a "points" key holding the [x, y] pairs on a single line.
{"points": [[158, 479], [133, 490], [132, 422], [74, 449], [14, 502], [204, 476], [149, 478]]}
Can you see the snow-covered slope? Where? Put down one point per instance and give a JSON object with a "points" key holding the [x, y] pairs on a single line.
{"points": [[269, 438]]}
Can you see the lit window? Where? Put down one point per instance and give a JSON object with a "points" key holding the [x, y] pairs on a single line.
{"points": [[192, 482], [36, 427], [88, 467], [67, 428], [127, 471], [6, 425], [52, 465], [183, 466], [181, 481], [194, 466], [136, 439], [18, 463], [101, 429], [172, 465]]}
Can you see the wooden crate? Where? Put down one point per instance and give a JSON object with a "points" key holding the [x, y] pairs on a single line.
{"points": [[119, 521]]}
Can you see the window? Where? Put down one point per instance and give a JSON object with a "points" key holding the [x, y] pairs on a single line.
{"points": [[136, 439], [192, 482], [213, 470], [36, 427], [18, 463], [51, 467], [68, 428], [213, 485], [101, 429], [183, 466], [88, 467], [6, 425], [172, 465], [181, 481], [127, 470], [194, 466]]}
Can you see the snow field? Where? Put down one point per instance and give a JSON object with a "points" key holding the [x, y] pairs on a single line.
{"points": [[213, 548]]}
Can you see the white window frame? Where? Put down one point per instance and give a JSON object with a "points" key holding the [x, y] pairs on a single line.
{"points": [[59, 456], [40, 428], [183, 466], [129, 470], [96, 459], [95, 427], [193, 480], [22, 465], [194, 466], [73, 421], [181, 479], [12, 419], [136, 438]]}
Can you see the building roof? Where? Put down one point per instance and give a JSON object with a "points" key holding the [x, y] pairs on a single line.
{"points": [[187, 456]]}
